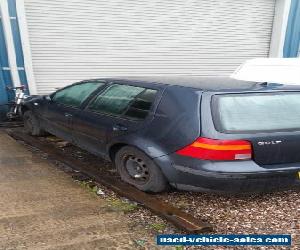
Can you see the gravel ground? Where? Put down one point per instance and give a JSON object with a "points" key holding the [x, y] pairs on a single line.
{"points": [[276, 213]]}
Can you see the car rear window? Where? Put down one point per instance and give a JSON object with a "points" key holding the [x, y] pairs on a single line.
{"points": [[257, 112]]}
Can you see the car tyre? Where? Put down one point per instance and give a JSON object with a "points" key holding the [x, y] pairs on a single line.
{"points": [[139, 170], [32, 124]]}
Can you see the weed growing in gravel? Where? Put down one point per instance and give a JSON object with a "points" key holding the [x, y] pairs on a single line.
{"points": [[140, 242], [124, 206], [87, 185], [114, 204], [158, 227]]}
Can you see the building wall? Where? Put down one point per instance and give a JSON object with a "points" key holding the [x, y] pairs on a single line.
{"points": [[71, 40], [7, 22], [74, 40], [4, 74], [292, 38], [12, 70]]}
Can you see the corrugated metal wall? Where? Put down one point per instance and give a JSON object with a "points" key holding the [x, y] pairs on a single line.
{"points": [[6, 79], [4, 74], [73, 40], [292, 39], [17, 42]]}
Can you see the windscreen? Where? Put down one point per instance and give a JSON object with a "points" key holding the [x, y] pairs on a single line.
{"points": [[257, 112]]}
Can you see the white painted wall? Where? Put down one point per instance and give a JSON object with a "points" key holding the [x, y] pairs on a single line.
{"points": [[26, 47]]}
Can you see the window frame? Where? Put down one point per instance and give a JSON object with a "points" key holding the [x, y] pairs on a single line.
{"points": [[122, 116], [83, 103]]}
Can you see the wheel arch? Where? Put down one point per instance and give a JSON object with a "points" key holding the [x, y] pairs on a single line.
{"points": [[113, 149], [150, 148]]}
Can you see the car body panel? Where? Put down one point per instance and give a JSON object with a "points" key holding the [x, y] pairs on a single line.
{"points": [[58, 119]]}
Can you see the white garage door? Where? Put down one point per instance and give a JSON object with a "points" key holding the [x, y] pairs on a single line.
{"points": [[73, 40]]}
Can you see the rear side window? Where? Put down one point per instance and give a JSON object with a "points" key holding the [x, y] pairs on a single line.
{"points": [[257, 112], [125, 100], [141, 105], [76, 94]]}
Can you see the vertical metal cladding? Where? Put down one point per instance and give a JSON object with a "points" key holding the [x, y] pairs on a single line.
{"points": [[292, 39], [5, 78], [17, 41]]}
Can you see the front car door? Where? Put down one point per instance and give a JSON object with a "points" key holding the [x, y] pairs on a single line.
{"points": [[64, 105], [119, 109]]}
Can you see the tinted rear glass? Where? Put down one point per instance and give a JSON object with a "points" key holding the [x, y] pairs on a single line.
{"points": [[257, 112]]}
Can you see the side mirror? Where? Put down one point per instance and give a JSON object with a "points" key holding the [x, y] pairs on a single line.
{"points": [[47, 98]]}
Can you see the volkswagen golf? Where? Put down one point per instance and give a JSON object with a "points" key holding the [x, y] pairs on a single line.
{"points": [[201, 134]]}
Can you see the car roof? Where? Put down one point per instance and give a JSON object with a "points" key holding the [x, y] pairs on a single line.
{"points": [[214, 84]]}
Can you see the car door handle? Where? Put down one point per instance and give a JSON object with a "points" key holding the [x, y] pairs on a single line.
{"points": [[119, 127], [68, 115]]}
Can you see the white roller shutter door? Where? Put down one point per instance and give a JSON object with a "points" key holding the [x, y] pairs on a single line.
{"points": [[73, 40]]}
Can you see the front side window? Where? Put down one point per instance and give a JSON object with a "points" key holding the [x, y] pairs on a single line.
{"points": [[257, 112], [126, 100], [76, 94]]}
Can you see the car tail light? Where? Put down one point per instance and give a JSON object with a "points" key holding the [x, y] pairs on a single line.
{"points": [[218, 150]]}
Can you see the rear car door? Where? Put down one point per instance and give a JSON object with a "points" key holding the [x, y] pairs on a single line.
{"points": [[64, 104], [118, 110]]}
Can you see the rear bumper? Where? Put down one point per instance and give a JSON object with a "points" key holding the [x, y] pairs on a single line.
{"points": [[238, 184], [247, 177]]}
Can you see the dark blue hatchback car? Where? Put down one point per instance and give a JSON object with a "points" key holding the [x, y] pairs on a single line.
{"points": [[204, 134]]}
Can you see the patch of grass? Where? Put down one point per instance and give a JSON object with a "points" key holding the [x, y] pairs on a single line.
{"points": [[140, 242], [119, 205], [87, 185], [114, 204], [158, 227], [53, 138], [83, 183], [179, 248]]}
